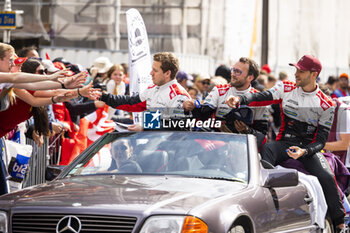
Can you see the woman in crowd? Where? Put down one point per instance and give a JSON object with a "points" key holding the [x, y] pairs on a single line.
{"points": [[114, 84], [24, 105]]}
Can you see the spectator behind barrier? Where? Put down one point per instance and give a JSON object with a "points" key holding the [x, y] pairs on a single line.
{"points": [[343, 89], [223, 71], [114, 84]]}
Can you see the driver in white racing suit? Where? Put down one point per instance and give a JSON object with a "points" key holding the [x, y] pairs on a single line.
{"points": [[306, 121], [243, 73], [166, 94]]}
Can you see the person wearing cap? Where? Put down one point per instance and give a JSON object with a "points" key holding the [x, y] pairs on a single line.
{"points": [[243, 73], [202, 84], [25, 80], [182, 78], [17, 64], [61, 66], [49, 66], [266, 69], [102, 65], [343, 87], [307, 118]]}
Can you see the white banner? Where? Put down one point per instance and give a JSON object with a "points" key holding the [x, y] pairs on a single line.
{"points": [[140, 61]]}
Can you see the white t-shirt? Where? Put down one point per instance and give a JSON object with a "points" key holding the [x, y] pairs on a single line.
{"points": [[110, 87]]}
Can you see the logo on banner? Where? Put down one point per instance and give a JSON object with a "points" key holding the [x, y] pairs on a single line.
{"points": [[20, 167], [151, 120], [137, 36]]}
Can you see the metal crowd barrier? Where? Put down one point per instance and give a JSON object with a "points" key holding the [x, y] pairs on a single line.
{"points": [[37, 164], [48, 154], [55, 149]]}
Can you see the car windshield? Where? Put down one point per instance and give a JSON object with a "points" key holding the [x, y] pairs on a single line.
{"points": [[201, 155]]}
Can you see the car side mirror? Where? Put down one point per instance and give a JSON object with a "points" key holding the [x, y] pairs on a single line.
{"points": [[52, 171], [281, 178]]}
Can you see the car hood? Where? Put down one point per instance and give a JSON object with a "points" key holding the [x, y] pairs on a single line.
{"points": [[152, 193]]}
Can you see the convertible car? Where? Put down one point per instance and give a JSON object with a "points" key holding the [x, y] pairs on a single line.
{"points": [[174, 182]]}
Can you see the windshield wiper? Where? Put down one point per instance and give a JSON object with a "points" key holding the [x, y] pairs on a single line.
{"points": [[221, 178]]}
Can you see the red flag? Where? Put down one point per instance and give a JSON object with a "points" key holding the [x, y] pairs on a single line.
{"points": [[47, 56], [91, 128]]}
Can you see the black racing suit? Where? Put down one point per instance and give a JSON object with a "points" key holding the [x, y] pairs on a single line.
{"points": [[306, 121]]}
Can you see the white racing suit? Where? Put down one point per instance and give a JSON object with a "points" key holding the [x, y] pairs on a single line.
{"points": [[215, 103], [167, 98], [306, 121]]}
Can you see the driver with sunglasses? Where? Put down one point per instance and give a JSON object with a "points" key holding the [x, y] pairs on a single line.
{"points": [[242, 74]]}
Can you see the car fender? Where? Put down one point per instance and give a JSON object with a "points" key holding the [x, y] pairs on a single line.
{"points": [[231, 214]]}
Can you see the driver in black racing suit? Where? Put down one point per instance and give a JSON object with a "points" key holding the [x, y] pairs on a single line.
{"points": [[306, 121]]}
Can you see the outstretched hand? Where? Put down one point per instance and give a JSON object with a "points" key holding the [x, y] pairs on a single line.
{"points": [[59, 74], [232, 101], [95, 94], [85, 90], [75, 81], [64, 96]]}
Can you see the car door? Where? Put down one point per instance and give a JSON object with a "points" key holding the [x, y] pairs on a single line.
{"points": [[288, 208]]}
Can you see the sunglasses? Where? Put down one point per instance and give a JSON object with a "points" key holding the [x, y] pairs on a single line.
{"points": [[236, 71], [36, 58], [206, 83], [41, 71]]}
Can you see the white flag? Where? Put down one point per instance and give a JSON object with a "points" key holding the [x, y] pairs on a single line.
{"points": [[140, 61]]}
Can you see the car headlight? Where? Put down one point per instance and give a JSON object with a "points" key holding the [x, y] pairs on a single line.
{"points": [[3, 222], [174, 224]]}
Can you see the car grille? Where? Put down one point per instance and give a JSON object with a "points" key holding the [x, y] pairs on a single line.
{"points": [[34, 222]]}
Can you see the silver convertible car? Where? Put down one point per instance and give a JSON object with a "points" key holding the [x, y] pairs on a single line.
{"points": [[176, 182]]}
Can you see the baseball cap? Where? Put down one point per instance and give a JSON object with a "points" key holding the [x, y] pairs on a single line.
{"points": [[243, 113], [181, 75], [49, 66], [267, 68], [62, 60], [344, 75], [61, 66], [19, 60], [308, 63]]}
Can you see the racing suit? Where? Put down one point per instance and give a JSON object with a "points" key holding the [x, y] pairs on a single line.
{"points": [[306, 121], [168, 98], [215, 103]]}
